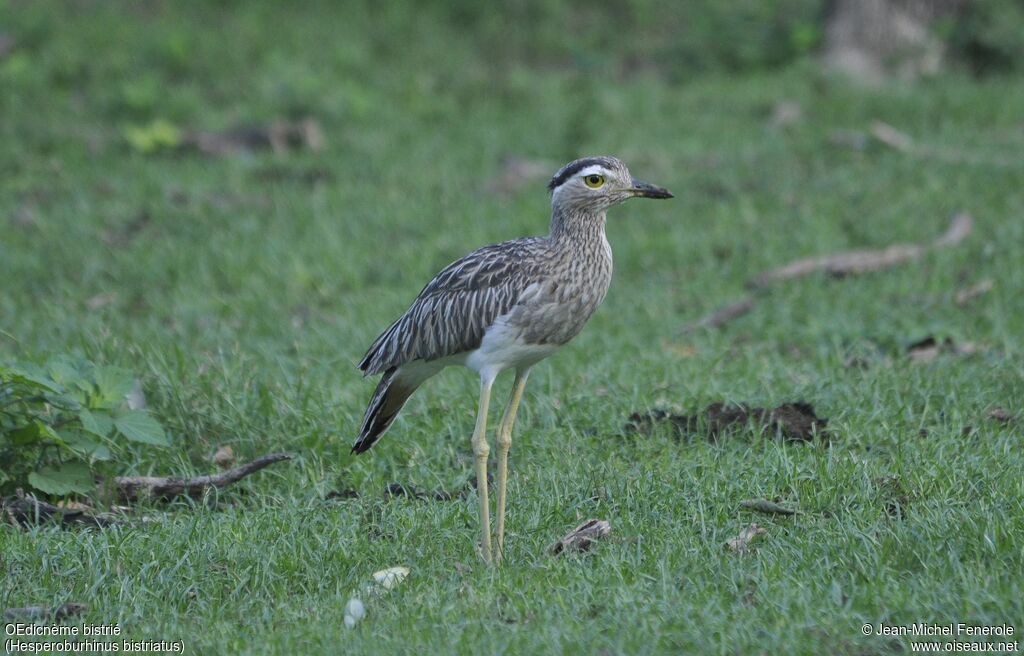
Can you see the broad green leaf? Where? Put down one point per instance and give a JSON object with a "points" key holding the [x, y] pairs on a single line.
{"points": [[30, 374], [63, 479], [114, 384], [74, 375], [63, 370], [138, 426], [26, 434], [47, 433], [98, 422], [85, 447]]}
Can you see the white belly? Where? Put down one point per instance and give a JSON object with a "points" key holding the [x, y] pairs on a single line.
{"points": [[503, 347]]}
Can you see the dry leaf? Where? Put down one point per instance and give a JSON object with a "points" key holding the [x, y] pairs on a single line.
{"points": [[741, 543], [100, 300], [929, 348], [390, 577], [924, 350], [224, 457], [681, 350], [67, 504], [1001, 414], [582, 537]]}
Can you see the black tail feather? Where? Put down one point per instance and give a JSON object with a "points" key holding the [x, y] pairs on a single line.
{"points": [[388, 399]]}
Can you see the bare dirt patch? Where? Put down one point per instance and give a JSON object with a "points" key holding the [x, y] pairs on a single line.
{"points": [[795, 421]]}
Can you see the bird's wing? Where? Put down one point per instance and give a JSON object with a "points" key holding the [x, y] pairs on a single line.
{"points": [[454, 310]]}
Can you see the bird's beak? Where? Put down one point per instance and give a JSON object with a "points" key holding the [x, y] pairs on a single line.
{"points": [[647, 190]]}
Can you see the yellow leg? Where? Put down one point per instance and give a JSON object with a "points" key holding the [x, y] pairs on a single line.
{"points": [[480, 451], [504, 442]]}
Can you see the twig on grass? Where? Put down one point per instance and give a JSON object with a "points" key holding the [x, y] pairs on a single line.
{"points": [[837, 265], [279, 136], [131, 488], [852, 262], [965, 296], [902, 142], [891, 137], [722, 315], [25, 510], [37, 613]]}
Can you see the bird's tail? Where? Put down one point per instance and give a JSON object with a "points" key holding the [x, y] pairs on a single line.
{"points": [[393, 390]]}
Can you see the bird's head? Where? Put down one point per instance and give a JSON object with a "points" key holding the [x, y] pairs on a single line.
{"points": [[597, 183]]}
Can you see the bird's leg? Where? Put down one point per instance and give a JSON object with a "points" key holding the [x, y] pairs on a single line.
{"points": [[480, 451], [504, 442]]}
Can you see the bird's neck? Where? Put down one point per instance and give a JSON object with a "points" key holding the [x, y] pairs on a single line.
{"points": [[577, 226]]}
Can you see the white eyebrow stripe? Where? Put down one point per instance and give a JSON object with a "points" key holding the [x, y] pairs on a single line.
{"points": [[591, 170]]}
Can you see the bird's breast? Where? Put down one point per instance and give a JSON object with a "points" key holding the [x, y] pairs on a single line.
{"points": [[551, 311], [560, 305]]}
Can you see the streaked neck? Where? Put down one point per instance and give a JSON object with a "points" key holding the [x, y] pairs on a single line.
{"points": [[576, 225]]}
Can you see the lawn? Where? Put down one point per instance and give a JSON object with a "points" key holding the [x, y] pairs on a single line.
{"points": [[242, 289]]}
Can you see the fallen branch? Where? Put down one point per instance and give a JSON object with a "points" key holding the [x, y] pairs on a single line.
{"points": [[26, 510], [722, 315], [837, 265], [902, 142], [582, 537], [279, 136], [841, 264], [131, 488], [37, 613]]}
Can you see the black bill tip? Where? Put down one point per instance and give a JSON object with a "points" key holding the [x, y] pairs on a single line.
{"points": [[647, 190]]}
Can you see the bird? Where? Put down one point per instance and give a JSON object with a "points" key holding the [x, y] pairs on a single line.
{"points": [[504, 306]]}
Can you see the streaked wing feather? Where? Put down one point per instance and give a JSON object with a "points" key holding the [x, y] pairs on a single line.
{"points": [[453, 311]]}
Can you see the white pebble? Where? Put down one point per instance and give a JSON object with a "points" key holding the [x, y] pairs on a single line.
{"points": [[354, 611]]}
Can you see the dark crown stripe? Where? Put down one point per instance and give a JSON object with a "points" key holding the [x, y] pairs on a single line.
{"points": [[573, 168]]}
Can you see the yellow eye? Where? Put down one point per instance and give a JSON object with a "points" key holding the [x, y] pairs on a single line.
{"points": [[594, 180]]}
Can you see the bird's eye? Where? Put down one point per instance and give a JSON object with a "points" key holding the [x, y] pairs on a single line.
{"points": [[594, 180]]}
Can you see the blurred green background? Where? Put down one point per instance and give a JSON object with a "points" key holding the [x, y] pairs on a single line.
{"points": [[232, 199]]}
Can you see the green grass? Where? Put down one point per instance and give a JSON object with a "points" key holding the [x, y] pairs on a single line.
{"points": [[244, 303]]}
